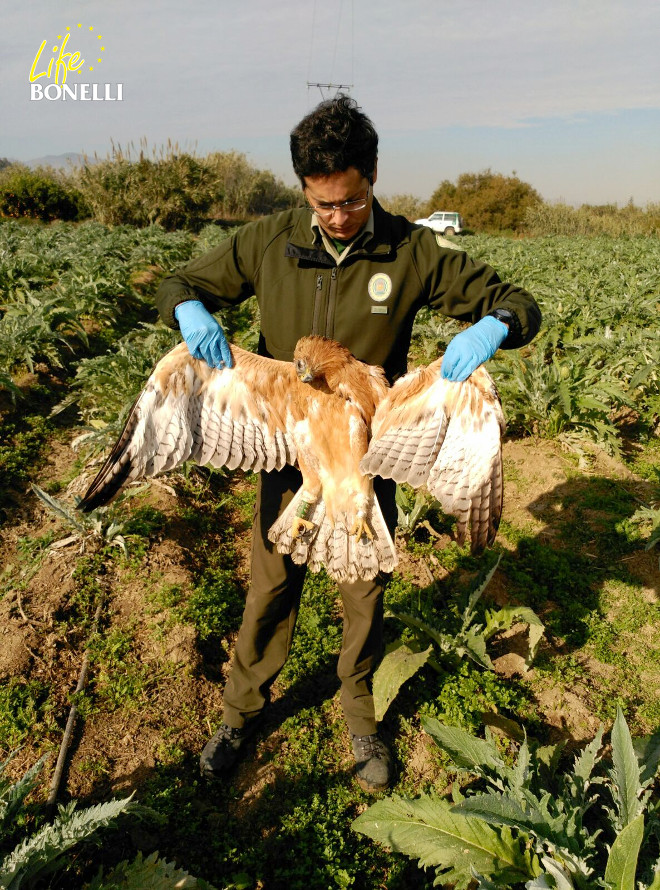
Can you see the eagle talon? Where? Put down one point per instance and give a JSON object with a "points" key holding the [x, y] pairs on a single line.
{"points": [[360, 528], [299, 526]]}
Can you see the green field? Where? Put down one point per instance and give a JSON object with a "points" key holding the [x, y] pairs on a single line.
{"points": [[169, 567]]}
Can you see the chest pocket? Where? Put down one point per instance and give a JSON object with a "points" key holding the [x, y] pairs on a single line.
{"points": [[286, 307], [375, 310]]}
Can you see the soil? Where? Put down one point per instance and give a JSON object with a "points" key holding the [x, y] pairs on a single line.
{"points": [[115, 752]]}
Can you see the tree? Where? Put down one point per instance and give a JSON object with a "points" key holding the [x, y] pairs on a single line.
{"points": [[487, 201], [406, 205], [39, 193]]}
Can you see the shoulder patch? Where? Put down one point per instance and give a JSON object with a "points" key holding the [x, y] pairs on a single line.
{"points": [[445, 242]]}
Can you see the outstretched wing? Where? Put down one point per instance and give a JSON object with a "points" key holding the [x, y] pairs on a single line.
{"points": [[238, 417], [446, 436]]}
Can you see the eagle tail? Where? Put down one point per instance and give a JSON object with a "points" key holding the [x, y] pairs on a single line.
{"points": [[345, 557]]}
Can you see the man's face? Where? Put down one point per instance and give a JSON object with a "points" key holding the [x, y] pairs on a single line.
{"points": [[337, 188]]}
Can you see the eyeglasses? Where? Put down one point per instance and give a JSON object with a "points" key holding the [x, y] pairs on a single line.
{"points": [[326, 210]]}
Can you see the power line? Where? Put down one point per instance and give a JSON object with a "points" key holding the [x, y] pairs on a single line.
{"points": [[334, 51], [330, 85], [311, 44]]}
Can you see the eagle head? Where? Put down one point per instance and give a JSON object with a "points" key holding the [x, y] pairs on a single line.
{"points": [[319, 359], [303, 370]]}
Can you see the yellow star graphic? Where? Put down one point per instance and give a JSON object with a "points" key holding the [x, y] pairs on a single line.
{"points": [[91, 68], [91, 27]]}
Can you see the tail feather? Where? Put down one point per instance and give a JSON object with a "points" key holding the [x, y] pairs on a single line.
{"points": [[345, 557], [115, 473], [142, 449]]}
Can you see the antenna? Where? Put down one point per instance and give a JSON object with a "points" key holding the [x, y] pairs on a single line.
{"points": [[330, 86]]}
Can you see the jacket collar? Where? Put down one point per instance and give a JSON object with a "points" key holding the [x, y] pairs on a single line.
{"points": [[303, 245]]}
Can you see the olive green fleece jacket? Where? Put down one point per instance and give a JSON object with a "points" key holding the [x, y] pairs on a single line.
{"points": [[367, 302]]}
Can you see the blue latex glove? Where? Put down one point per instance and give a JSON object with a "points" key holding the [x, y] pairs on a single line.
{"points": [[472, 347], [203, 335]]}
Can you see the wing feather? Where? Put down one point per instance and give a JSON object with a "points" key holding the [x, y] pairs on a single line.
{"points": [[447, 436], [407, 429], [205, 434], [238, 417]]}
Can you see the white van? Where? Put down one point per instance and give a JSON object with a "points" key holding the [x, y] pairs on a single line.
{"points": [[443, 221]]}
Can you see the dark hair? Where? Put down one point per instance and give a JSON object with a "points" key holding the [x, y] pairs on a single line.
{"points": [[332, 138]]}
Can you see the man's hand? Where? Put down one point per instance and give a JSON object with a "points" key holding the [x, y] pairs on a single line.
{"points": [[472, 347], [203, 335]]}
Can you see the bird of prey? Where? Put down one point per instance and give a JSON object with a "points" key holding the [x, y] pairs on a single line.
{"points": [[338, 420]]}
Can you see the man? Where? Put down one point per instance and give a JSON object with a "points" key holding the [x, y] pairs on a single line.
{"points": [[343, 268]]}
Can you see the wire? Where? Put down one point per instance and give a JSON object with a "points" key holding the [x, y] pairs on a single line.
{"points": [[334, 52], [330, 84], [352, 41], [311, 46]]}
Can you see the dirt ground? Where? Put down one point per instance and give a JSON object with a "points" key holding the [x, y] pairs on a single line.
{"points": [[115, 751]]}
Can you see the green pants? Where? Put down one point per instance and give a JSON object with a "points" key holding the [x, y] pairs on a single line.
{"points": [[271, 610]]}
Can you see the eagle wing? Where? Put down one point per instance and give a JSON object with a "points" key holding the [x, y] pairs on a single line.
{"points": [[235, 417], [447, 436]]}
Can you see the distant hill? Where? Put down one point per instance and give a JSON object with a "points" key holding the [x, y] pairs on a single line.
{"points": [[70, 157], [58, 161]]}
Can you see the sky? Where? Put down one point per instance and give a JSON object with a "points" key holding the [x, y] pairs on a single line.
{"points": [[565, 93]]}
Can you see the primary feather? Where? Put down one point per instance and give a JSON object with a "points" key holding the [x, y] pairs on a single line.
{"points": [[446, 436], [336, 419]]}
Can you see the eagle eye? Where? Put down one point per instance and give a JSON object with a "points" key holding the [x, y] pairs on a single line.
{"points": [[300, 364]]}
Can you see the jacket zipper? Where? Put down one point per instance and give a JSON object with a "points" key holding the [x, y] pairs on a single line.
{"points": [[318, 296], [332, 297]]}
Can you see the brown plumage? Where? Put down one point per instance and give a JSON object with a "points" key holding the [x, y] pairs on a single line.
{"points": [[335, 418]]}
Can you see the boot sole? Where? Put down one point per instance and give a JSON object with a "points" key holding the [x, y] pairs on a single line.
{"points": [[369, 787]]}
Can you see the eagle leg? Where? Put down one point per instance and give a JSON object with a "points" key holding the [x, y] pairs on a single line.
{"points": [[361, 527], [299, 526], [300, 523]]}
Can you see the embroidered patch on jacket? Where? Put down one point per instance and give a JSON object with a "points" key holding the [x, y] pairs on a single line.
{"points": [[444, 242], [380, 286]]}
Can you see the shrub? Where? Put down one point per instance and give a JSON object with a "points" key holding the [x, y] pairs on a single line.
{"points": [[27, 856], [488, 201], [149, 873], [530, 823], [178, 189], [607, 219], [172, 188], [409, 206], [105, 385], [244, 190], [41, 193]]}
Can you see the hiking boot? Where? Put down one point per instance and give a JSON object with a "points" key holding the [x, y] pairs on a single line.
{"points": [[223, 750], [373, 762]]}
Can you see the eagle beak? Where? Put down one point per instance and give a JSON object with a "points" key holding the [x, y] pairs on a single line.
{"points": [[304, 373]]}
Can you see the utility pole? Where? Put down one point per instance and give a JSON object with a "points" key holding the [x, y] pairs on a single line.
{"points": [[330, 86]]}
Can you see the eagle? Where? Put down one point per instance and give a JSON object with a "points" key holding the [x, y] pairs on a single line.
{"points": [[340, 422]]}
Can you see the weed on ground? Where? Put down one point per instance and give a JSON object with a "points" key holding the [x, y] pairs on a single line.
{"points": [[172, 578]]}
